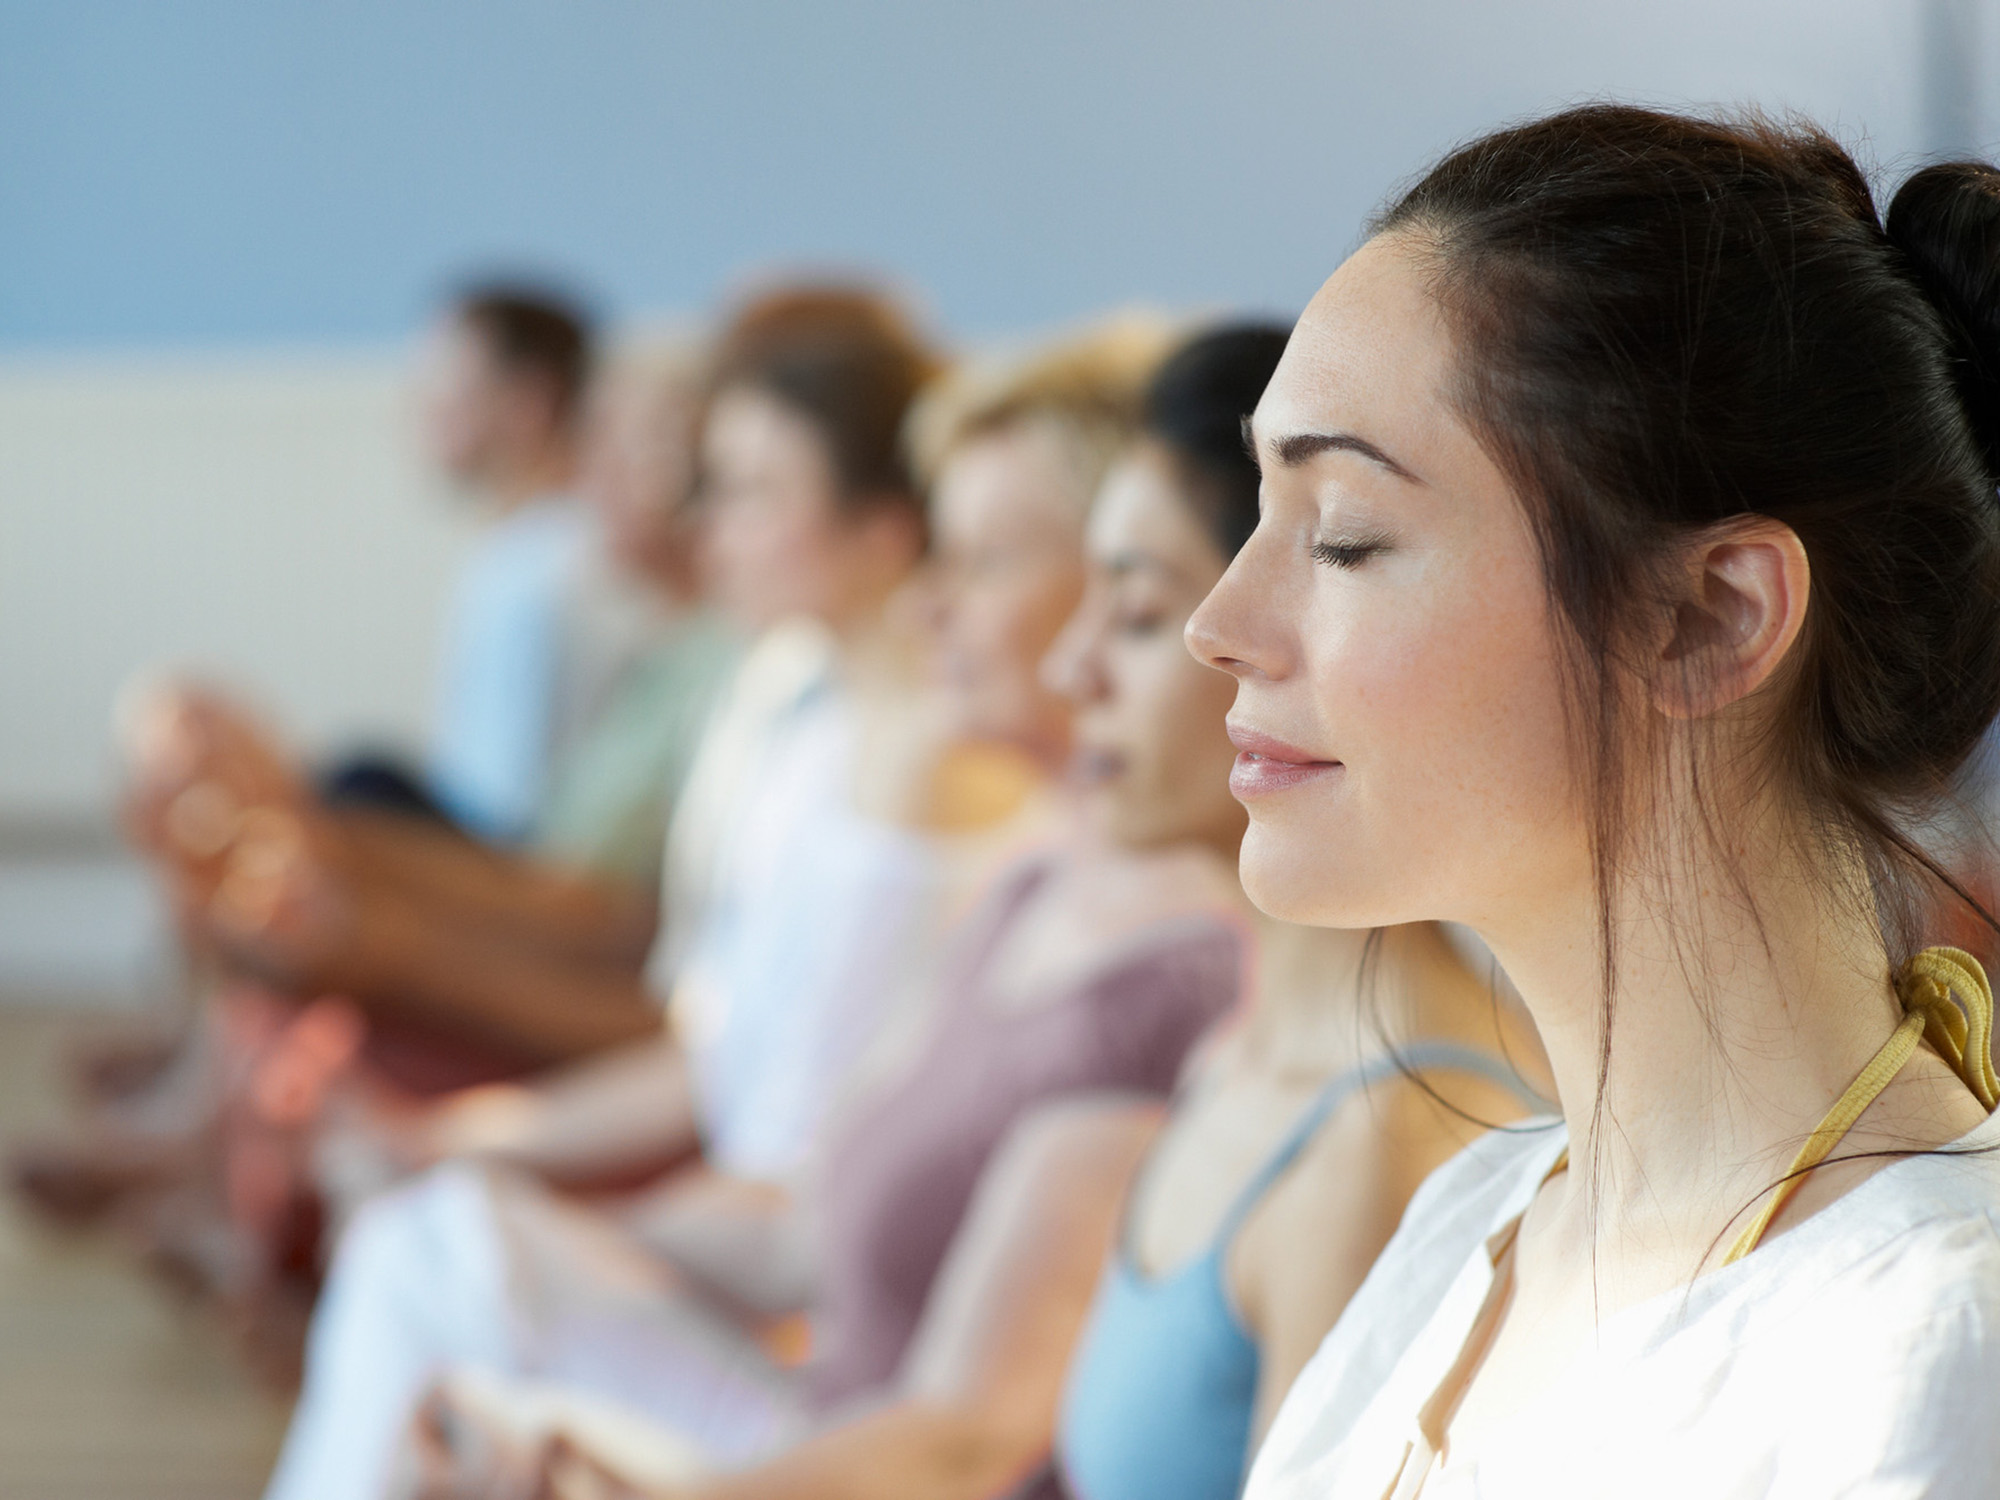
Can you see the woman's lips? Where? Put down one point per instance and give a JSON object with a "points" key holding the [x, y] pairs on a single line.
{"points": [[1265, 765]]}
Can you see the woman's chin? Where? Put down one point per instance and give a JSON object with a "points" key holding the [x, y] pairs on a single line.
{"points": [[1276, 893], [1295, 885]]}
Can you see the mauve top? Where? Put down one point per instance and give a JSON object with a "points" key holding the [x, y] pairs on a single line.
{"points": [[900, 1176]]}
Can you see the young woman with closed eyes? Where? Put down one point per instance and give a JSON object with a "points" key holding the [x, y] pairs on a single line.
{"points": [[1629, 528]]}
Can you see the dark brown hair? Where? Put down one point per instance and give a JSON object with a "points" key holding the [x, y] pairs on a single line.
{"points": [[1666, 322], [851, 362], [532, 332], [1196, 407]]}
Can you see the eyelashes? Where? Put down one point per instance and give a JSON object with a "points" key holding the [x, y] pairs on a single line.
{"points": [[1348, 554]]}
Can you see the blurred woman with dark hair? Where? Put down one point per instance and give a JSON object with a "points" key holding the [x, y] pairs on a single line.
{"points": [[1630, 531]]}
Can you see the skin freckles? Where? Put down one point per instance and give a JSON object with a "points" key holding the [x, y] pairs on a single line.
{"points": [[1415, 649]]}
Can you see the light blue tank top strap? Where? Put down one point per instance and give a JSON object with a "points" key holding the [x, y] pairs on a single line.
{"points": [[1162, 1386], [1420, 1057]]}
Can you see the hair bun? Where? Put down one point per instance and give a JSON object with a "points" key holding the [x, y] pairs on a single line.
{"points": [[1946, 220]]}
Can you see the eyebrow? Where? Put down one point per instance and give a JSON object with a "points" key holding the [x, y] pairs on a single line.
{"points": [[1297, 448]]}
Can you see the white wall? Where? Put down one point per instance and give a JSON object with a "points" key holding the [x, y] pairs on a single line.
{"points": [[259, 517]]}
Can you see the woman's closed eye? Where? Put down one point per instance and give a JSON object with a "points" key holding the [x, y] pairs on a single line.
{"points": [[1348, 553], [1141, 620]]}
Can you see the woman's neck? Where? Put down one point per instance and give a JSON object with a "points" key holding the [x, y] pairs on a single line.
{"points": [[876, 650], [1328, 999], [1306, 976], [1748, 992]]}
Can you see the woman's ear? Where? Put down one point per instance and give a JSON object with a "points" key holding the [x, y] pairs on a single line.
{"points": [[1742, 604]]}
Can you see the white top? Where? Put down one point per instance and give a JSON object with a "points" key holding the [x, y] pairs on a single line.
{"points": [[789, 914], [1855, 1355]]}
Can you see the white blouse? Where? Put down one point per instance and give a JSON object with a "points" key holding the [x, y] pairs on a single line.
{"points": [[1855, 1355]]}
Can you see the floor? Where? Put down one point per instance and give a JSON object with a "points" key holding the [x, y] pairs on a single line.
{"points": [[111, 1388]]}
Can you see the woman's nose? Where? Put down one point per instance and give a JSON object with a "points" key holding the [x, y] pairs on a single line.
{"points": [[1220, 631]]}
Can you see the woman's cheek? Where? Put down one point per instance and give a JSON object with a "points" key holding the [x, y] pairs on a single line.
{"points": [[1373, 662], [1497, 699]]}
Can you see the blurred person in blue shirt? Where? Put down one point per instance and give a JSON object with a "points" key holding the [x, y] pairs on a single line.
{"points": [[535, 640]]}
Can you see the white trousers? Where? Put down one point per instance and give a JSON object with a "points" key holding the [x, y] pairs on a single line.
{"points": [[476, 1267]]}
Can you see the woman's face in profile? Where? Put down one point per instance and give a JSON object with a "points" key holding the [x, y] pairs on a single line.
{"points": [[1152, 758], [1007, 524], [1398, 696], [462, 400], [770, 496]]}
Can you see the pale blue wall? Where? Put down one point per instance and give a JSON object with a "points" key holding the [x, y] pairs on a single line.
{"points": [[213, 172]]}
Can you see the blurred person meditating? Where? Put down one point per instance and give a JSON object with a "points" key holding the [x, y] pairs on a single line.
{"points": [[1088, 966], [536, 635], [395, 957], [535, 953], [551, 614], [797, 860], [544, 623], [1281, 1172], [801, 868], [430, 932]]}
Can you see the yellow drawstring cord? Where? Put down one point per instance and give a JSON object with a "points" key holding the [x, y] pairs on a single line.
{"points": [[1963, 1037]]}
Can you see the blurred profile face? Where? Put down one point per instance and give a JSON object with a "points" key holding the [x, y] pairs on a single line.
{"points": [[638, 463], [1007, 524], [778, 543], [1152, 756], [1398, 699], [463, 401]]}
